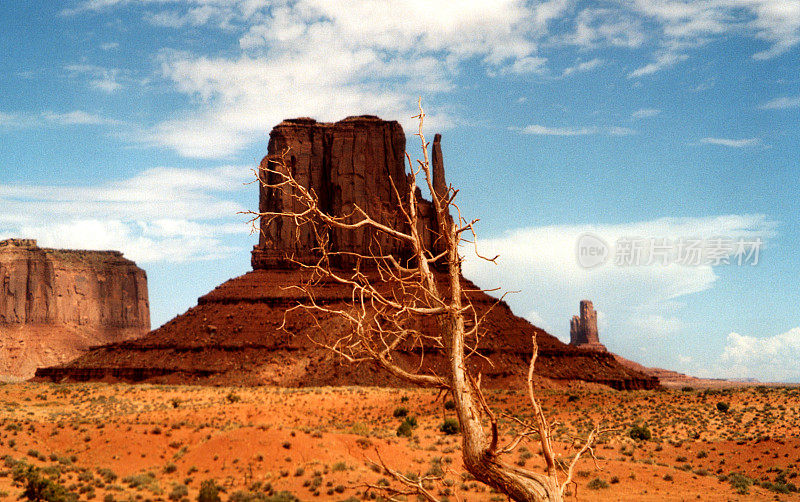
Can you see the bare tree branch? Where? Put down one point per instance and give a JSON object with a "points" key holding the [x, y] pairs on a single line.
{"points": [[390, 299]]}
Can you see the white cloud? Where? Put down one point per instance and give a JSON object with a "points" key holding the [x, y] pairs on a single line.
{"points": [[524, 65], [108, 46], [731, 143], [107, 80], [77, 117], [778, 22], [541, 130], [8, 119], [664, 60], [620, 131], [51, 118], [656, 324], [584, 66], [162, 214], [641, 304], [642, 113], [781, 103], [195, 16], [606, 27], [769, 359], [106, 85], [691, 24], [379, 56]]}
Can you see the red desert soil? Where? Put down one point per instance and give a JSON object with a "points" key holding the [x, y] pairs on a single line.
{"points": [[145, 442]]}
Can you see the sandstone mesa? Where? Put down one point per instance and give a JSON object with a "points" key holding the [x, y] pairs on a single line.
{"points": [[55, 304]]}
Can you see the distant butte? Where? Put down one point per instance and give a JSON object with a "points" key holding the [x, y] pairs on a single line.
{"points": [[56, 304], [234, 335]]}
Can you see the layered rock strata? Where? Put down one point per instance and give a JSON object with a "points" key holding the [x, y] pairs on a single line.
{"points": [[55, 304], [357, 162]]}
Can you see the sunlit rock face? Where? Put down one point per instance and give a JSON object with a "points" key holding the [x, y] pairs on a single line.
{"points": [[359, 161], [55, 304], [583, 328]]}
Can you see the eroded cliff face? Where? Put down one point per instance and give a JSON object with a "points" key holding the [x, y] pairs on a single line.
{"points": [[55, 304], [358, 161]]}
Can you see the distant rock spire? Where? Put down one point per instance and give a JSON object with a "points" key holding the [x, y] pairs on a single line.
{"points": [[583, 329]]}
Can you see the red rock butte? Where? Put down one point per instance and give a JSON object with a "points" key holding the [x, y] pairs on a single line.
{"points": [[56, 303], [238, 333]]}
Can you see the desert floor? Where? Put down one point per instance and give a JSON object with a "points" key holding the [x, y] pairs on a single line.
{"points": [[146, 442]]}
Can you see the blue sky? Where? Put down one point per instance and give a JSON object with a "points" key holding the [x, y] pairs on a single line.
{"points": [[134, 125]]}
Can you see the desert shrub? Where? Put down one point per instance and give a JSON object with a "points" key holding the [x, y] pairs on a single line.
{"points": [[339, 467], [572, 398], [38, 488], [597, 484], [778, 487], [243, 496], [450, 426], [723, 406], [170, 468], [209, 492], [740, 483], [232, 397], [360, 429], [108, 475], [436, 469], [400, 412], [449, 405], [178, 492], [146, 480], [687, 389], [406, 428], [640, 433]]}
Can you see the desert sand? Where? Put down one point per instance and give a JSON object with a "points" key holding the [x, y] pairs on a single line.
{"points": [[111, 441]]}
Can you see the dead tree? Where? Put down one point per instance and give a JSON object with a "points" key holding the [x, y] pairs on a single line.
{"points": [[388, 293]]}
